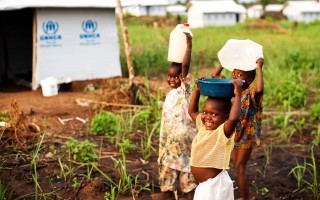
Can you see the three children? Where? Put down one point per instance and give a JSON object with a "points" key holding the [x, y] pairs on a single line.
{"points": [[224, 126]]}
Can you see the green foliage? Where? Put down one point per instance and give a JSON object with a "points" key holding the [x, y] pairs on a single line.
{"points": [[106, 123], [127, 182], [127, 146], [2, 189], [291, 92], [83, 152], [298, 172], [4, 116], [315, 111], [316, 141], [303, 182], [75, 184], [146, 141]]}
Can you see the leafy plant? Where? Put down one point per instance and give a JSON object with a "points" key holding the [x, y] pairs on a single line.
{"points": [[146, 141], [66, 170], [106, 123], [83, 152], [283, 122], [314, 111], [127, 182], [75, 184], [298, 172], [127, 146], [267, 152], [140, 118], [313, 185], [262, 191], [112, 194], [35, 154], [316, 141]]}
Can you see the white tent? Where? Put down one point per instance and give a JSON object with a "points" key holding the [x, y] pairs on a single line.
{"points": [[77, 39], [215, 13], [302, 11], [145, 7]]}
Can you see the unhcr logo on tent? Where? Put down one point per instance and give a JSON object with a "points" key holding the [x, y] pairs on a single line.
{"points": [[50, 28], [89, 27]]}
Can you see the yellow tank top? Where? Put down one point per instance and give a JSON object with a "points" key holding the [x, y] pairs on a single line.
{"points": [[211, 148]]}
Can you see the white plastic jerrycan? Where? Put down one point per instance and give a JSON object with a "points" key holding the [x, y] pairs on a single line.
{"points": [[240, 54], [177, 43]]}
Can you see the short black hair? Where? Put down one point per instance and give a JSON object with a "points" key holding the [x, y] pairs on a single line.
{"points": [[177, 66], [226, 103]]}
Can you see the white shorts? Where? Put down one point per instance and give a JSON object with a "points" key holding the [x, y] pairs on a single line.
{"points": [[217, 188]]}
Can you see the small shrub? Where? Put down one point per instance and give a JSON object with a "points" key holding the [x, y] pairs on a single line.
{"points": [[127, 146], [83, 152], [105, 123]]}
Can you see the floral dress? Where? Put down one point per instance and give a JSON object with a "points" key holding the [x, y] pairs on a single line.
{"points": [[177, 128], [248, 129]]}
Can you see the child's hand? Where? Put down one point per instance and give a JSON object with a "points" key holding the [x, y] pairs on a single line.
{"points": [[260, 62], [200, 78], [238, 86], [189, 40]]}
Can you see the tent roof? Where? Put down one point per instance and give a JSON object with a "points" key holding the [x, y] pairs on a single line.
{"points": [[304, 6], [274, 7], [218, 6], [19, 4], [269, 7], [144, 2], [176, 8]]}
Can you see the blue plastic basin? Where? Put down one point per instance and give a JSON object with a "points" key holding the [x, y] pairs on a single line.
{"points": [[216, 87]]}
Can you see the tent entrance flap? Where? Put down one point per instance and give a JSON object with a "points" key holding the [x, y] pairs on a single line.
{"points": [[16, 46]]}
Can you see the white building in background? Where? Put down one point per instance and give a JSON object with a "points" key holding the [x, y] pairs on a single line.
{"points": [[302, 11], [175, 1], [177, 10], [247, 1], [145, 7], [215, 13], [256, 11], [77, 40]]}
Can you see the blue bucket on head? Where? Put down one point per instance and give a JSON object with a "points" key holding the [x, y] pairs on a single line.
{"points": [[216, 87]]}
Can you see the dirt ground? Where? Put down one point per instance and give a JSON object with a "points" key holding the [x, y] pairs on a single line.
{"points": [[273, 182]]}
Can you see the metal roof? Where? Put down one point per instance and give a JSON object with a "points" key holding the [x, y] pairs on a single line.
{"points": [[304, 6], [217, 6], [19, 4]]}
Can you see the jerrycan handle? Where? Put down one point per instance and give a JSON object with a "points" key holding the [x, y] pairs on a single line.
{"points": [[185, 28]]}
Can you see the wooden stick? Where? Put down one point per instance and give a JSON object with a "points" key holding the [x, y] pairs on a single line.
{"points": [[58, 136], [34, 49], [111, 104], [126, 44]]}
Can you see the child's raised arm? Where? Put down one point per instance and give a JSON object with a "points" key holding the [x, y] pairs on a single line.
{"points": [[235, 111], [216, 73], [259, 86], [187, 56], [194, 103]]}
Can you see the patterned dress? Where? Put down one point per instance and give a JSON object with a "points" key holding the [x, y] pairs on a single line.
{"points": [[177, 128], [248, 129]]}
